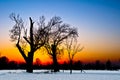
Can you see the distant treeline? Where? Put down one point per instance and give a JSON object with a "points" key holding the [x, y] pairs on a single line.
{"points": [[108, 65]]}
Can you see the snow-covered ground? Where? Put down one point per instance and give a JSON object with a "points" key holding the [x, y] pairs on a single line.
{"points": [[43, 75]]}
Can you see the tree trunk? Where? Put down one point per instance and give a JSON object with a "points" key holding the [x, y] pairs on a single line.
{"points": [[30, 63], [55, 63], [31, 53]]}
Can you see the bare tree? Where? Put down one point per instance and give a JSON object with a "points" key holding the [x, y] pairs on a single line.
{"points": [[58, 32], [72, 49], [28, 42]]}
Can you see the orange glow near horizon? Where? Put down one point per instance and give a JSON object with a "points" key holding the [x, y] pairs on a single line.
{"points": [[91, 53], [85, 56]]}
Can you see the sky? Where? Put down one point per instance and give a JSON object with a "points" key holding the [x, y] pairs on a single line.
{"points": [[97, 21]]}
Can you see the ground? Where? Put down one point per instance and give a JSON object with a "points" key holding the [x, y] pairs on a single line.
{"points": [[45, 75]]}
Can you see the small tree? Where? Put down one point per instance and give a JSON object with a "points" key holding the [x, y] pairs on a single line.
{"points": [[58, 32], [108, 64], [32, 40], [72, 49], [4, 62]]}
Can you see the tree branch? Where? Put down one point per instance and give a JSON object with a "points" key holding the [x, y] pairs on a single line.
{"points": [[48, 51], [31, 32], [38, 46], [21, 51], [62, 39], [26, 40]]}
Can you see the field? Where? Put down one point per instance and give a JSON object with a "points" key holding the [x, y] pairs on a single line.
{"points": [[45, 75]]}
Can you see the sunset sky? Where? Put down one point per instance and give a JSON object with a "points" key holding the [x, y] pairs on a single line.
{"points": [[97, 21]]}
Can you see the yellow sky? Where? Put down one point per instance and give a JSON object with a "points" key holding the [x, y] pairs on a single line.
{"points": [[90, 53]]}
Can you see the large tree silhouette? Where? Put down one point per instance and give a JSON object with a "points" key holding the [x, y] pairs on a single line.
{"points": [[72, 49], [28, 42], [58, 32]]}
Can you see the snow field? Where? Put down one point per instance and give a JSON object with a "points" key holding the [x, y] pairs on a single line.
{"points": [[43, 75]]}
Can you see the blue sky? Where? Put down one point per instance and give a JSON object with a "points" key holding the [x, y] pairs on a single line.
{"points": [[98, 21]]}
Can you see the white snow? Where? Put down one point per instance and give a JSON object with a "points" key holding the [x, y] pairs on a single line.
{"points": [[44, 75]]}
